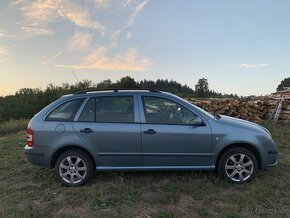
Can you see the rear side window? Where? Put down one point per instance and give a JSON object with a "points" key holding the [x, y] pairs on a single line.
{"points": [[89, 112], [118, 109], [66, 111]]}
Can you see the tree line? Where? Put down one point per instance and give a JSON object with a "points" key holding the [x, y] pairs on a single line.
{"points": [[285, 83], [27, 101]]}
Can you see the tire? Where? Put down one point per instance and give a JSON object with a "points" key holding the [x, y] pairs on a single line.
{"points": [[74, 168], [238, 165]]}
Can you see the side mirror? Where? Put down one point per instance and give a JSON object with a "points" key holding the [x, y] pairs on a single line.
{"points": [[197, 121]]}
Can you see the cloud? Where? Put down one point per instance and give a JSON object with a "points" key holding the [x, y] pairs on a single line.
{"points": [[99, 60], [102, 3], [5, 34], [136, 11], [80, 41], [128, 35], [41, 10], [40, 13], [38, 31], [127, 3], [80, 16], [140, 7], [253, 66], [86, 16], [52, 58], [37, 15], [3, 51]]}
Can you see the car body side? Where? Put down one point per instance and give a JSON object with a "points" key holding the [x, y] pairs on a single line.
{"points": [[51, 138]]}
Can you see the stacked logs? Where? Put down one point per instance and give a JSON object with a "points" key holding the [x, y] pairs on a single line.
{"points": [[252, 108], [285, 112]]}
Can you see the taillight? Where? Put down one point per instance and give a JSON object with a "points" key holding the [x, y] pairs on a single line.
{"points": [[29, 137]]}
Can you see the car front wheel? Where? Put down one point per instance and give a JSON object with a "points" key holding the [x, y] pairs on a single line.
{"points": [[74, 168], [238, 165]]}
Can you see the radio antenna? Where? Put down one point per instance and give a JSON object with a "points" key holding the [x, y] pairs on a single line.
{"points": [[75, 75]]}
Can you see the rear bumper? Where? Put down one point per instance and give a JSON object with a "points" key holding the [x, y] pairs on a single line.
{"points": [[37, 156]]}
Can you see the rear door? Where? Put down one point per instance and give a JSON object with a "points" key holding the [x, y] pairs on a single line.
{"points": [[111, 125], [168, 137]]}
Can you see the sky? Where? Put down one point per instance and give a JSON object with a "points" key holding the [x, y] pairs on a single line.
{"points": [[240, 46]]}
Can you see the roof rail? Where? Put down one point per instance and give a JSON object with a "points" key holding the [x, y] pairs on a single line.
{"points": [[115, 90]]}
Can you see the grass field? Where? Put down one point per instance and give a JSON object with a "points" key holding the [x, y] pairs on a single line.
{"points": [[12, 126], [30, 191]]}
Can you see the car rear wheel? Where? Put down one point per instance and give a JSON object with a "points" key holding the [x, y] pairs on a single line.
{"points": [[238, 165], [74, 168]]}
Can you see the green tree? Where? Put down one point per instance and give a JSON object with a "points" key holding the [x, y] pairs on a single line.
{"points": [[33, 100], [106, 84], [126, 83], [201, 88], [284, 83]]}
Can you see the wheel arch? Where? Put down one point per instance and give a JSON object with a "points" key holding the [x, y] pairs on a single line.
{"points": [[248, 146], [60, 151]]}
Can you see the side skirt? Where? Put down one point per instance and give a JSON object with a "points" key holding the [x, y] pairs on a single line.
{"points": [[158, 168]]}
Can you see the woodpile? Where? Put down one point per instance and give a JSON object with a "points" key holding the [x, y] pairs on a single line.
{"points": [[254, 109], [285, 113]]}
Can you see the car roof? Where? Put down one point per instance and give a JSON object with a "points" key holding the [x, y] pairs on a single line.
{"points": [[93, 92]]}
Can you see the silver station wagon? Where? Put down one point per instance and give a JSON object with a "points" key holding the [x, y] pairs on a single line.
{"points": [[112, 130]]}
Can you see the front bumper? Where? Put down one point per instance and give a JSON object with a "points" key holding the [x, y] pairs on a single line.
{"points": [[271, 154], [274, 164]]}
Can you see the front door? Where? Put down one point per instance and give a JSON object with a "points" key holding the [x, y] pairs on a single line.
{"points": [[170, 140]]}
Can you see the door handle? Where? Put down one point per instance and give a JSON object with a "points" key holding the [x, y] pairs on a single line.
{"points": [[150, 132], [86, 130]]}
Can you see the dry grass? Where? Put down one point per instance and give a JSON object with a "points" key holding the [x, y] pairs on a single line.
{"points": [[12, 126], [29, 191]]}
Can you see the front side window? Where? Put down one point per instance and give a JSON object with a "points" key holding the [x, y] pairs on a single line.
{"points": [[66, 111], [119, 109], [163, 111]]}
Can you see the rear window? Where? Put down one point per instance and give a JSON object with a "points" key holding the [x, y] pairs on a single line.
{"points": [[66, 111]]}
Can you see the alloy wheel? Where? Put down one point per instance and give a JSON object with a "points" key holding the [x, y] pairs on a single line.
{"points": [[72, 169], [239, 167]]}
